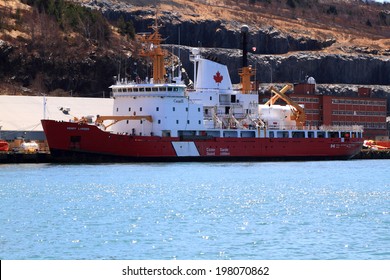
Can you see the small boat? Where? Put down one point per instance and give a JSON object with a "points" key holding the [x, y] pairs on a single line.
{"points": [[376, 145]]}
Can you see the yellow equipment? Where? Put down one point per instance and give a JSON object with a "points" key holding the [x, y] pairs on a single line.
{"points": [[298, 113]]}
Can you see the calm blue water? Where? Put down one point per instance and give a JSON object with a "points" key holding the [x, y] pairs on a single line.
{"points": [[281, 210]]}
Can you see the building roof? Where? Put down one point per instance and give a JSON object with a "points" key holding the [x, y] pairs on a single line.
{"points": [[24, 113]]}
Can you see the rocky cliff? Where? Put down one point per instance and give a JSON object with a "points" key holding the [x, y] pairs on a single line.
{"points": [[282, 48]]}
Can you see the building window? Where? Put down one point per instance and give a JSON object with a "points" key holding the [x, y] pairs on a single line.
{"points": [[157, 109], [199, 122], [186, 109], [211, 98], [198, 109], [159, 121], [177, 121], [188, 121], [173, 108]]}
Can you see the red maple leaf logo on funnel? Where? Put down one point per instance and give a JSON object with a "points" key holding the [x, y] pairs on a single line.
{"points": [[218, 77]]}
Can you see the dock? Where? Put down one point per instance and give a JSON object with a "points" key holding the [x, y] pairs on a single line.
{"points": [[373, 154], [12, 157]]}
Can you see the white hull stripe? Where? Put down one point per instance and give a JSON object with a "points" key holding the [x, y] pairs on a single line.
{"points": [[185, 149]]}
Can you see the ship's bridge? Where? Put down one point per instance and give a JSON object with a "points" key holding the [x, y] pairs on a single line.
{"points": [[133, 89]]}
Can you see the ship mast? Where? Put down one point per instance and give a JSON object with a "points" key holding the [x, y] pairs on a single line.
{"points": [[151, 47]]}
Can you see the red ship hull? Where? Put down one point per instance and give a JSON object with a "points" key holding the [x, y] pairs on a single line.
{"points": [[3, 146], [70, 141]]}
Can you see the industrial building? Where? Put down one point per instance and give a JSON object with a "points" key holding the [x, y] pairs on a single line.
{"points": [[362, 109]]}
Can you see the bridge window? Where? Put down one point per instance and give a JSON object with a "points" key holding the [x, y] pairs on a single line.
{"points": [[321, 134], [282, 134], [298, 134]]}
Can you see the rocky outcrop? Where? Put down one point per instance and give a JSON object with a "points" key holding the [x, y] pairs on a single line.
{"points": [[218, 33], [307, 57], [325, 68], [277, 57], [86, 76], [5, 50]]}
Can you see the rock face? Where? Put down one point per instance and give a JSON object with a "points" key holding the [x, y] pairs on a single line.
{"points": [[277, 57], [216, 34], [5, 50], [87, 76], [224, 44], [325, 68]]}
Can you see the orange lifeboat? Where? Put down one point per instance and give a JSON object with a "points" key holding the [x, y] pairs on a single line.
{"points": [[3, 146]]}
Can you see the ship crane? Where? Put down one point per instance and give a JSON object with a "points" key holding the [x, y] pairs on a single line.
{"points": [[298, 112], [114, 119]]}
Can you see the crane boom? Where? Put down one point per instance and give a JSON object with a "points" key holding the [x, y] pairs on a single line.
{"points": [[298, 111], [115, 119]]}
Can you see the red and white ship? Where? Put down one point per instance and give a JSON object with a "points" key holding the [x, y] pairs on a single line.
{"points": [[157, 120]]}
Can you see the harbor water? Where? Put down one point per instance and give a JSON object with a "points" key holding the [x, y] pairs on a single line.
{"points": [[264, 210]]}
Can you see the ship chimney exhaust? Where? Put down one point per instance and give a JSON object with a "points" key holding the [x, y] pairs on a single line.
{"points": [[246, 72], [244, 32]]}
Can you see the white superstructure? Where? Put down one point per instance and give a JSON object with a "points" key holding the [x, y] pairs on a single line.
{"points": [[168, 109]]}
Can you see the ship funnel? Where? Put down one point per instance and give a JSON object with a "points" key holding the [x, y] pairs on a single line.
{"points": [[246, 71], [244, 32]]}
